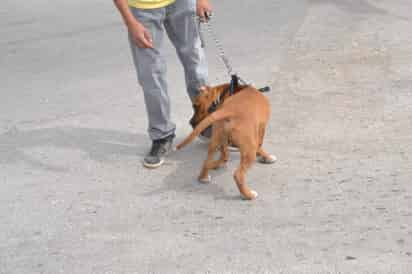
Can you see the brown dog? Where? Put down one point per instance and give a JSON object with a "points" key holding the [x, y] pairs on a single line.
{"points": [[242, 119], [209, 98]]}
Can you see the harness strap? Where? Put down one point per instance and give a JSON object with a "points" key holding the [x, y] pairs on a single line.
{"points": [[234, 83], [219, 100], [233, 86]]}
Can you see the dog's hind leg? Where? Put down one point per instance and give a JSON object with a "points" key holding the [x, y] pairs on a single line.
{"points": [[262, 156], [246, 161]]}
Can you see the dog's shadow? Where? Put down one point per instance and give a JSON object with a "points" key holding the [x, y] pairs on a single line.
{"points": [[187, 165], [99, 144]]}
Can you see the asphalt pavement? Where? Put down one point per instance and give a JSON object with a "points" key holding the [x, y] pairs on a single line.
{"points": [[75, 198]]}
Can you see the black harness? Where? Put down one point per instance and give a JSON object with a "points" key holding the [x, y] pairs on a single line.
{"points": [[233, 86]]}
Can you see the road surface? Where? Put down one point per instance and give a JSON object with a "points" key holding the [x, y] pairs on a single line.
{"points": [[76, 199]]}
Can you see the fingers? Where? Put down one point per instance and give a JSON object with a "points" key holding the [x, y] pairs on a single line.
{"points": [[204, 15], [204, 10], [143, 39], [140, 35], [143, 43], [148, 39]]}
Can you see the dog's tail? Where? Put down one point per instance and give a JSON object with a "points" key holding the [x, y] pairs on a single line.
{"points": [[205, 123]]}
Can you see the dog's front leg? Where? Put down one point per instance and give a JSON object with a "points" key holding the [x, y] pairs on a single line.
{"points": [[204, 173], [218, 139], [224, 155]]}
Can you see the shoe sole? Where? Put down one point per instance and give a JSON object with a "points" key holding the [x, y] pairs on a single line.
{"points": [[153, 166], [267, 161], [233, 149]]}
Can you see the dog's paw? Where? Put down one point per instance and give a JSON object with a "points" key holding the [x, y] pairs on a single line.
{"points": [[267, 160], [205, 180], [253, 195]]}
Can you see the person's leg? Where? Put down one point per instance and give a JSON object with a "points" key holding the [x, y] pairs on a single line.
{"points": [[151, 73], [182, 29]]}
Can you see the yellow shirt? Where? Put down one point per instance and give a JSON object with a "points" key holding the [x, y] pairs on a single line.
{"points": [[149, 4]]}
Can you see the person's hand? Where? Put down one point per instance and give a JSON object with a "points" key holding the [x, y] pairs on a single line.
{"points": [[140, 35], [203, 9]]}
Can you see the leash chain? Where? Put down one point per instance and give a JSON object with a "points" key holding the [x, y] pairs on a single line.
{"points": [[219, 47]]}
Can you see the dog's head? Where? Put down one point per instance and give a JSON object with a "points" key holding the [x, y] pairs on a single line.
{"points": [[202, 103]]}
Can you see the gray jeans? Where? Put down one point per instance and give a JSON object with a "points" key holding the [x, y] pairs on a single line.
{"points": [[179, 22]]}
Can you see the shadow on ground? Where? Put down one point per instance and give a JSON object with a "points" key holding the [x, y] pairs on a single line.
{"points": [[187, 164], [99, 144]]}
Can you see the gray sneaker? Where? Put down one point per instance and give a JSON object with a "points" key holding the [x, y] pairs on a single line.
{"points": [[160, 148]]}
